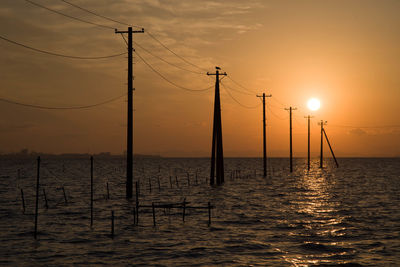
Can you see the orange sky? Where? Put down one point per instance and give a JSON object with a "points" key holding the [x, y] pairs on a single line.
{"points": [[343, 52]]}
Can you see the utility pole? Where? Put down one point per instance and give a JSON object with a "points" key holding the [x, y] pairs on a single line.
{"points": [[217, 154], [330, 147], [308, 153], [322, 123], [290, 127], [264, 134], [129, 143]]}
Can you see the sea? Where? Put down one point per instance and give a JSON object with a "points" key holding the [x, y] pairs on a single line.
{"points": [[347, 215]]}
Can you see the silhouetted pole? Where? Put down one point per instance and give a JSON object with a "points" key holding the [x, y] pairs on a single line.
{"points": [[308, 151], [329, 144], [129, 143], [322, 144], [264, 135], [290, 137], [217, 154], [37, 196]]}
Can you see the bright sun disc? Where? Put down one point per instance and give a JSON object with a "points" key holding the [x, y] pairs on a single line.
{"points": [[313, 104]]}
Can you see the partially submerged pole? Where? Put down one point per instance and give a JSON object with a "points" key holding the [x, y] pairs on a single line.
{"points": [[65, 196], [112, 224], [23, 200], [45, 199], [37, 196], [91, 191], [290, 137], [333, 155], [137, 202], [154, 214], [209, 214]]}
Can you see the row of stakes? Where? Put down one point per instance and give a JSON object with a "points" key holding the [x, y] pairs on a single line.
{"points": [[182, 205]]}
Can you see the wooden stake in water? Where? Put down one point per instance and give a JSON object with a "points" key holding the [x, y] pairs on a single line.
{"points": [[108, 192], [137, 202], [134, 216], [183, 209], [45, 199], [37, 196], [91, 191], [65, 196], [330, 147], [170, 181], [23, 200], [150, 185], [112, 224], [159, 184], [188, 178], [154, 214], [176, 180], [209, 214]]}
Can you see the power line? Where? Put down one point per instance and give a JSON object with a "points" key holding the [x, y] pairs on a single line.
{"points": [[60, 108], [98, 15], [238, 84], [69, 16], [238, 91], [160, 58], [166, 79], [182, 58], [244, 106], [57, 54], [274, 114], [366, 127]]}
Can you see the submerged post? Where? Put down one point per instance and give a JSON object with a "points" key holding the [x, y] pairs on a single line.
{"points": [[129, 143], [330, 147], [137, 202], [91, 191], [154, 214], [209, 214], [264, 135], [290, 137], [37, 196], [322, 144], [217, 154], [45, 199], [65, 196], [23, 200], [112, 224], [308, 151]]}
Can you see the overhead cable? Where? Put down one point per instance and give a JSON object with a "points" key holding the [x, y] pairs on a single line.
{"points": [[169, 81], [57, 54], [59, 108]]}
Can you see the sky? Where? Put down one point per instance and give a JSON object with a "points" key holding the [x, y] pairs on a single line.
{"points": [[345, 53]]}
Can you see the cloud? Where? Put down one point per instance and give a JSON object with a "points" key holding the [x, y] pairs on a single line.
{"points": [[358, 131]]}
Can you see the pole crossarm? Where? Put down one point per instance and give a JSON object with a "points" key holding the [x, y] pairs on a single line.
{"points": [[140, 31]]}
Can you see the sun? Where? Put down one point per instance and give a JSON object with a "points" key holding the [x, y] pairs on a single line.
{"points": [[313, 104]]}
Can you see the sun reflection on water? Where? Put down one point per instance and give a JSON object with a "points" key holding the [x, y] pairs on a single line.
{"points": [[320, 228]]}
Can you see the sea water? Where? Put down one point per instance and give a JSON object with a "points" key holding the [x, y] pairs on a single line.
{"points": [[348, 215]]}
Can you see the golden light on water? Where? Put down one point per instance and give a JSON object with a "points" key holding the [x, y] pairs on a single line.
{"points": [[313, 104]]}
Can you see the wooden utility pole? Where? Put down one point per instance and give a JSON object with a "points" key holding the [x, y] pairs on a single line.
{"points": [[264, 134], [322, 144], [308, 151], [37, 197], [217, 154], [330, 147], [129, 143], [290, 137]]}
